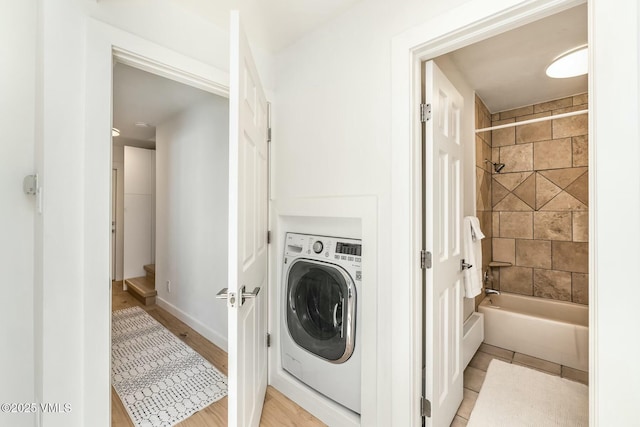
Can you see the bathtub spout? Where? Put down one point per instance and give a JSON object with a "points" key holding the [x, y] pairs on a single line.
{"points": [[488, 291]]}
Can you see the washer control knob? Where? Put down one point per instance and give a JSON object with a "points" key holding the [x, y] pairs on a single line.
{"points": [[318, 246]]}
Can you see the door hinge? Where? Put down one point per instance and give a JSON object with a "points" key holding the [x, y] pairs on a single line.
{"points": [[425, 112], [268, 237], [268, 340], [425, 259], [268, 122], [425, 407]]}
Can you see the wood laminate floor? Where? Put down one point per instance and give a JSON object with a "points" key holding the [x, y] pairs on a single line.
{"points": [[278, 409]]}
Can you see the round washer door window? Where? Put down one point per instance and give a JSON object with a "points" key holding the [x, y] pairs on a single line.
{"points": [[321, 309]]}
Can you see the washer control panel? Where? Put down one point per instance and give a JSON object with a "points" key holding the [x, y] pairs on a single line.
{"points": [[318, 246], [335, 249]]}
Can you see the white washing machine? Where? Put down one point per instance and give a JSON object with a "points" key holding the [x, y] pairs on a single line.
{"points": [[320, 332]]}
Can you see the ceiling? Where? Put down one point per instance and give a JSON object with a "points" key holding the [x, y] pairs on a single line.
{"points": [[139, 96], [272, 25], [508, 71]]}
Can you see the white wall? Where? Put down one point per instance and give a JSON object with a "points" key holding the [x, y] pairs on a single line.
{"points": [[17, 119], [192, 151], [139, 210], [333, 102]]}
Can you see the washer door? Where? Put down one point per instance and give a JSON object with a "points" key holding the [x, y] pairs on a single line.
{"points": [[321, 305]]}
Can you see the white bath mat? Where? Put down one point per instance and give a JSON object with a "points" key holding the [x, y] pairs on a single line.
{"points": [[513, 396], [160, 380]]}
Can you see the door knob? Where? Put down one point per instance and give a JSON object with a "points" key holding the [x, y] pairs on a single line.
{"points": [[464, 266], [251, 294], [229, 296]]}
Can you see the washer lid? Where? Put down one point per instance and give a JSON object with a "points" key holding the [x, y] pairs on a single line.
{"points": [[321, 304]]}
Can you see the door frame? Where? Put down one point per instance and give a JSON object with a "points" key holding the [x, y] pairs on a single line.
{"points": [[106, 45], [467, 24]]}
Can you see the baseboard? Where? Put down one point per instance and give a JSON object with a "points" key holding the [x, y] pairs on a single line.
{"points": [[199, 327]]}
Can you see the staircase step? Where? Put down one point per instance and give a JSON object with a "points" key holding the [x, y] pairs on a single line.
{"points": [[142, 289], [150, 270]]}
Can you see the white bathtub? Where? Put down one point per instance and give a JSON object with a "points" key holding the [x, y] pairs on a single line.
{"points": [[556, 331]]}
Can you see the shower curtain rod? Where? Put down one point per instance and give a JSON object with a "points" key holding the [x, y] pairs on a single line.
{"points": [[539, 119]]}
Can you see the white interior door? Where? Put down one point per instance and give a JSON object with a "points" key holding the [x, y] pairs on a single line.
{"points": [[248, 185], [443, 225]]}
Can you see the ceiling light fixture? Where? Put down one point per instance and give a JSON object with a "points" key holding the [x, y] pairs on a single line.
{"points": [[570, 64], [115, 132], [142, 124]]}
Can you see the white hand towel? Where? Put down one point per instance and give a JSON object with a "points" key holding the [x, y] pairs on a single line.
{"points": [[472, 251]]}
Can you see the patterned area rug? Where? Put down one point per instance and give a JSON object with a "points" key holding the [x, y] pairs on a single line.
{"points": [[160, 380]]}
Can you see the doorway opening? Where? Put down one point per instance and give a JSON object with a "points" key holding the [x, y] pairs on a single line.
{"points": [[171, 208], [528, 185], [187, 128]]}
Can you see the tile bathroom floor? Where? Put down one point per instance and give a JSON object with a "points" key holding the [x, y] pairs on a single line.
{"points": [[477, 370]]}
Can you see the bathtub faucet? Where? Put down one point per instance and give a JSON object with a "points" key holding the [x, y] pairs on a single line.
{"points": [[488, 291]]}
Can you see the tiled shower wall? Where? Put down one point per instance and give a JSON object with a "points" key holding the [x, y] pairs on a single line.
{"points": [[483, 183], [539, 200]]}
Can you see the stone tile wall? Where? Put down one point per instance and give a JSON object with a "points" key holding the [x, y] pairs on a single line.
{"points": [[539, 200], [483, 183]]}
